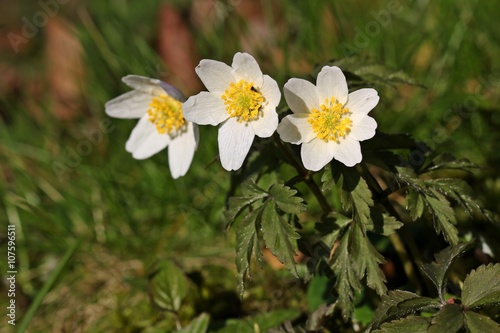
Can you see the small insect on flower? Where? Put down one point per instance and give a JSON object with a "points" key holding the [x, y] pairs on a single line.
{"points": [[241, 100], [327, 120], [158, 106]]}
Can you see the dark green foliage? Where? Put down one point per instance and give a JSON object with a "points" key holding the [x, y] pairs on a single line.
{"points": [[480, 290], [265, 223]]}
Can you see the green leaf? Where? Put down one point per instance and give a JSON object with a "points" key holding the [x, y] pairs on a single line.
{"points": [[482, 287], [388, 301], [247, 242], [410, 324], [280, 237], [410, 306], [438, 270], [327, 179], [285, 199], [449, 319], [416, 203], [169, 286], [448, 162], [250, 194], [365, 258], [330, 226], [346, 279], [478, 323], [443, 216], [318, 292], [198, 325], [355, 195], [383, 224], [459, 191]]}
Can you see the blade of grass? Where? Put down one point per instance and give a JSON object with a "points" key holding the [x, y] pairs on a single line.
{"points": [[46, 288]]}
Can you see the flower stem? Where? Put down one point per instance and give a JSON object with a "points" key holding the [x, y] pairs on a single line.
{"points": [[304, 174]]}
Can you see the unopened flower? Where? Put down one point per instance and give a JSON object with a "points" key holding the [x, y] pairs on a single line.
{"points": [[239, 98], [327, 120], [158, 106]]}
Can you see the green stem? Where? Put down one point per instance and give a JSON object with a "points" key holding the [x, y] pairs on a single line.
{"points": [[304, 174]]}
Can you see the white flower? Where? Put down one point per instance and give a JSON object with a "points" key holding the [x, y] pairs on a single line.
{"points": [[161, 123], [241, 99], [327, 120]]}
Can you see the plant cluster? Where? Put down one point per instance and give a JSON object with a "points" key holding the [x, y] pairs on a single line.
{"points": [[315, 177]]}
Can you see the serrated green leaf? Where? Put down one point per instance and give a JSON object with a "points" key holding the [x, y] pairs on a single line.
{"points": [[449, 319], [279, 237], [247, 242], [411, 306], [388, 301], [169, 286], [416, 203], [327, 179], [383, 224], [482, 287], [197, 325], [459, 191], [346, 279], [446, 161], [365, 258], [330, 227], [443, 216], [478, 323], [236, 205], [285, 199], [410, 324], [438, 270], [356, 196]]}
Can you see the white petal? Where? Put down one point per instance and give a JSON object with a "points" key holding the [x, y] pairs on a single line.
{"points": [[348, 151], [133, 104], [301, 95], [246, 67], [205, 109], [145, 141], [362, 100], [316, 154], [271, 91], [363, 127], [215, 75], [265, 126], [144, 84], [235, 140], [296, 129], [331, 82], [181, 151]]}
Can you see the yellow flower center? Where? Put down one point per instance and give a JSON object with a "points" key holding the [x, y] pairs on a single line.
{"points": [[166, 113], [243, 101], [331, 122]]}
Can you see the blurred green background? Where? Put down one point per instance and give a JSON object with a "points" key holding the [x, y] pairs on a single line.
{"points": [[66, 176]]}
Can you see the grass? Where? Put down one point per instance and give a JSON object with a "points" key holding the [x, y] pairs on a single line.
{"points": [[129, 214]]}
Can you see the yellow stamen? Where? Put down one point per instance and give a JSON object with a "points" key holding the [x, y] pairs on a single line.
{"points": [[331, 122], [166, 113], [243, 101]]}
